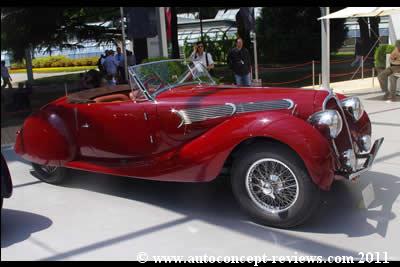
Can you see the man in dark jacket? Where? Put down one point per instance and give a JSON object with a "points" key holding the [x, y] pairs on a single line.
{"points": [[240, 63]]}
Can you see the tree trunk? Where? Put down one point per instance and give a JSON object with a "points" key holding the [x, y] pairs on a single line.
{"points": [[374, 34], [28, 59], [364, 35], [174, 33]]}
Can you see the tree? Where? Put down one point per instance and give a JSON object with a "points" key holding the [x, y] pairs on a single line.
{"points": [[206, 12], [293, 34], [369, 34], [25, 29]]}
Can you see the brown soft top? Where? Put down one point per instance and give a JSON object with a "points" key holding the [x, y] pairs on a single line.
{"points": [[88, 95]]}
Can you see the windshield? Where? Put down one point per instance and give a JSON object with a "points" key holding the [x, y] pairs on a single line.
{"points": [[156, 77]]}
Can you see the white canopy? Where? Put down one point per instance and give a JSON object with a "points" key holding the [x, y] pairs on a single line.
{"points": [[351, 12]]}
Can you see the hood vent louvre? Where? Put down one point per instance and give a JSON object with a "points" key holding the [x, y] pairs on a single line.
{"points": [[188, 116]]}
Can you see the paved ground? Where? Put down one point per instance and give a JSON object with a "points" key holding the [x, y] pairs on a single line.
{"points": [[100, 217]]}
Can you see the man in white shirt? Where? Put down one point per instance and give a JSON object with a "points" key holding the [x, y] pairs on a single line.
{"points": [[203, 57], [111, 67]]}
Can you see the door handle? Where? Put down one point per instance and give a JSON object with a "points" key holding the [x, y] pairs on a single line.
{"points": [[86, 125]]}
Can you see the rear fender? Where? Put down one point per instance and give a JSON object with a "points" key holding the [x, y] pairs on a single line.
{"points": [[46, 139]]}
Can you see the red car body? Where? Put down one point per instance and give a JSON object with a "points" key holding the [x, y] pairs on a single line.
{"points": [[142, 139]]}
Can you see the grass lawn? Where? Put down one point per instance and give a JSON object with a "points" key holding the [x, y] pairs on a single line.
{"points": [[59, 69]]}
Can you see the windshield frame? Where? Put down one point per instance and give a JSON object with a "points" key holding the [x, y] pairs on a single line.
{"points": [[133, 77]]}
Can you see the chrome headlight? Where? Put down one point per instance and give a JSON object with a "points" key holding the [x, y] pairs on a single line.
{"points": [[353, 106], [328, 122]]}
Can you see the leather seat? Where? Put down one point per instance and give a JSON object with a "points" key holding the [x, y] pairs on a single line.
{"points": [[111, 98], [134, 95]]}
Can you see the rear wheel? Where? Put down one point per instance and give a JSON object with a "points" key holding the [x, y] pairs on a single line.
{"points": [[272, 185], [50, 174]]}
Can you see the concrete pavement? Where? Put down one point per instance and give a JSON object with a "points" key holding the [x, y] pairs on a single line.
{"points": [[21, 77], [102, 217]]}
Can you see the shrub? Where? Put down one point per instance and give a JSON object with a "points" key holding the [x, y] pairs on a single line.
{"points": [[380, 55]]}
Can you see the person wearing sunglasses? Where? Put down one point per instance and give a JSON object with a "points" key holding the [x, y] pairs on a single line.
{"points": [[202, 56]]}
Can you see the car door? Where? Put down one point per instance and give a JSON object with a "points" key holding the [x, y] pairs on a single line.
{"points": [[114, 130]]}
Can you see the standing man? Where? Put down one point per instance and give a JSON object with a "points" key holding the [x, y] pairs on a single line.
{"points": [[5, 76], [130, 58], [203, 57], [119, 57], [111, 67], [240, 63], [358, 53], [388, 73]]}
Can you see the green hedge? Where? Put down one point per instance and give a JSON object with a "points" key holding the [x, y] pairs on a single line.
{"points": [[380, 55], [57, 61]]}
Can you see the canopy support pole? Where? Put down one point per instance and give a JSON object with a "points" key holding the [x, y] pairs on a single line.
{"points": [[124, 43], [325, 48]]}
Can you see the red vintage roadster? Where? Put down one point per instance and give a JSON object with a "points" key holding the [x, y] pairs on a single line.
{"points": [[280, 146]]}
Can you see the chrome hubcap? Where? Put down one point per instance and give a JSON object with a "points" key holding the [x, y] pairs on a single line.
{"points": [[272, 185]]}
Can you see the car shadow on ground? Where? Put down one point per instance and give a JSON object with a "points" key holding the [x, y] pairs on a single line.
{"points": [[214, 203], [17, 226]]}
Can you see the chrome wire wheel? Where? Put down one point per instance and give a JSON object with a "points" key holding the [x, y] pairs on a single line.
{"points": [[272, 185], [48, 169]]}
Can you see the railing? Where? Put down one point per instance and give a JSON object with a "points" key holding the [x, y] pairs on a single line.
{"points": [[313, 73]]}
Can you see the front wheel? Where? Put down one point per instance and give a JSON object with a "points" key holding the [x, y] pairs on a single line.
{"points": [[272, 185], [50, 174]]}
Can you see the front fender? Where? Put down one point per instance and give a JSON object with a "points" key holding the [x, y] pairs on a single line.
{"points": [[213, 148], [312, 147], [46, 139]]}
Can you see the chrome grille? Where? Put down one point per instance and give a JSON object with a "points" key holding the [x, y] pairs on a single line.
{"points": [[262, 106], [213, 112]]}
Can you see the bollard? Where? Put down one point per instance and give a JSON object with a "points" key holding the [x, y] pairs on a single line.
{"points": [[313, 74], [362, 67]]}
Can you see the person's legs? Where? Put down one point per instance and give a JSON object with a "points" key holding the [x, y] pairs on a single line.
{"points": [[393, 80], [392, 89], [238, 79], [6, 81], [383, 77], [356, 61], [246, 79], [9, 83]]}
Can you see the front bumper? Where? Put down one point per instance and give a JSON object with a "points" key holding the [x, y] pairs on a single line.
{"points": [[370, 157]]}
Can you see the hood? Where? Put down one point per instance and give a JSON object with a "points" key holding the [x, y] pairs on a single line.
{"points": [[216, 95]]}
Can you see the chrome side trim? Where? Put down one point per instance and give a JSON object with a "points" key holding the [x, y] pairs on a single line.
{"points": [[188, 116]]}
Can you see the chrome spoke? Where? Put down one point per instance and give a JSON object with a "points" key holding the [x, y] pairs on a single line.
{"points": [[272, 185]]}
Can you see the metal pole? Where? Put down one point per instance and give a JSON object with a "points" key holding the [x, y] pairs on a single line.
{"points": [[255, 56], [201, 26], [362, 67], [387, 66], [319, 79], [123, 43], [325, 48], [163, 33], [373, 77], [313, 74]]}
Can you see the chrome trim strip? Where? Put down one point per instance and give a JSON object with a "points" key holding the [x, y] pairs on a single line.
{"points": [[188, 116]]}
